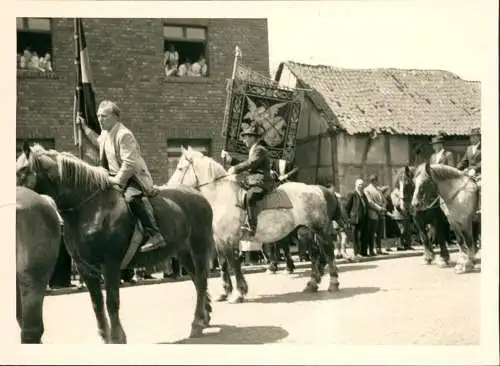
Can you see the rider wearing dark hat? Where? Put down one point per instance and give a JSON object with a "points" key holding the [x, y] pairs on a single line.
{"points": [[259, 180], [441, 155], [471, 161]]}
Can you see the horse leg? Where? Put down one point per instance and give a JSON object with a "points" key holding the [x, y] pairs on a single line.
{"points": [[306, 238], [465, 263], [31, 295], [241, 283], [271, 255], [422, 233], [290, 266], [94, 286], [112, 284], [199, 277], [19, 307], [227, 285], [329, 250], [444, 255]]}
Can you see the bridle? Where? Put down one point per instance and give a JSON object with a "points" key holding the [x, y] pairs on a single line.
{"points": [[70, 209], [198, 184]]}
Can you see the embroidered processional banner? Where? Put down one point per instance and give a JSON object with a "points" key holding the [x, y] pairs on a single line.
{"points": [[254, 99]]}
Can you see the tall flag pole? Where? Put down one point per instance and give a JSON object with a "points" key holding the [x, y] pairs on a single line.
{"points": [[85, 106], [229, 88]]}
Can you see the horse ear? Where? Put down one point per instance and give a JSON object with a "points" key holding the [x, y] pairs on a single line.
{"points": [[26, 148], [189, 148], [183, 150]]}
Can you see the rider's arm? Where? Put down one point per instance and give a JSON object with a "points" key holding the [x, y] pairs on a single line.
{"points": [[253, 161], [88, 133], [129, 154], [464, 163]]}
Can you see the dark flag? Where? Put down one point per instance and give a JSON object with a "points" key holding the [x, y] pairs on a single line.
{"points": [[85, 105]]}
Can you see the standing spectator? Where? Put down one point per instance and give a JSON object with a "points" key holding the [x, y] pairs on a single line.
{"points": [[356, 210], [171, 61], [403, 219], [376, 212]]}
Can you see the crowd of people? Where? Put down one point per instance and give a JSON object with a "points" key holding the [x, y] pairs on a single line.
{"points": [[187, 68], [30, 60]]}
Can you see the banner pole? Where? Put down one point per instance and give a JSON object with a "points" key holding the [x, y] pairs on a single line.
{"points": [[229, 88]]}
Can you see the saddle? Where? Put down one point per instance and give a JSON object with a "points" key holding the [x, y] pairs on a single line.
{"points": [[273, 200]]}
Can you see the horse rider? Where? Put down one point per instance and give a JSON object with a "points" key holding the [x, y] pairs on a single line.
{"points": [[258, 181], [471, 161], [120, 154], [441, 155]]}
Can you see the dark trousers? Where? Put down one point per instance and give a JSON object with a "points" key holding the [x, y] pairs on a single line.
{"points": [[374, 232], [405, 229], [254, 194], [358, 237], [61, 276]]}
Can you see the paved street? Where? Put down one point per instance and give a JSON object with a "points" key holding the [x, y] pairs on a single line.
{"points": [[397, 301]]}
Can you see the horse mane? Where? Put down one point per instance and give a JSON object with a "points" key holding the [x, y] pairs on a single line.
{"points": [[444, 172], [79, 173], [215, 169]]}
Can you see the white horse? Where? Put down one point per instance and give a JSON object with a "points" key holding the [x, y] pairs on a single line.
{"points": [[289, 207]]}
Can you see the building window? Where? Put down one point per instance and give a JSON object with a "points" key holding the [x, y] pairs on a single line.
{"points": [[174, 150], [34, 44], [184, 51], [47, 143]]}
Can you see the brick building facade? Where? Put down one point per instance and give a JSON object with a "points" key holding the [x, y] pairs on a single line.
{"points": [[126, 58]]}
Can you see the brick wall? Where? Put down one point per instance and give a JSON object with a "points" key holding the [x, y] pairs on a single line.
{"points": [[126, 60]]}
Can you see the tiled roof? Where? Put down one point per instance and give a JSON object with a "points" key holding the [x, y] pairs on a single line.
{"points": [[410, 102]]}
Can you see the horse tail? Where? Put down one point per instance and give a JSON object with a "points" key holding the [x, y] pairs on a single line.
{"points": [[82, 264]]}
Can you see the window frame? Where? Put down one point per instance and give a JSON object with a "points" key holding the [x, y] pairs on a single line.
{"points": [[25, 28], [184, 38]]}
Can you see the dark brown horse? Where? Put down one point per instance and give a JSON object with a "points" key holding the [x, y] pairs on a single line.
{"points": [[428, 213], [38, 237], [99, 228]]}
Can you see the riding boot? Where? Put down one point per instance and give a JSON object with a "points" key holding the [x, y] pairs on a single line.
{"points": [[142, 209], [251, 222]]}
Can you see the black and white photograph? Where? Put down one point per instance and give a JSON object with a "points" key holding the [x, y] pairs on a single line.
{"points": [[297, 174]]}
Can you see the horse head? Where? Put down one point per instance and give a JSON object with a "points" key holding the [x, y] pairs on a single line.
{"points": [[61, 175], [36, 169], [195, 169], [425, 186]]}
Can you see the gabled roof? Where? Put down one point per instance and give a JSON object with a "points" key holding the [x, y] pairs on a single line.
{"points": [[410, 102]]}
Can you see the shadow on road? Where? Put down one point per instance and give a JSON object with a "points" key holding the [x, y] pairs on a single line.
{"points": [[229, 334], [320, 295], [352, 267]]}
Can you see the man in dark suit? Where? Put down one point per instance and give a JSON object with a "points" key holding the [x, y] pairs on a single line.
{"points": [[258, 180], [356, 209], [441, 155], [471, 161]]}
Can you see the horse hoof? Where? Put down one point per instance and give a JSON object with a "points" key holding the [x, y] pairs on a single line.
{"points": [[222, 297], [237, 300], [442, 264], [270, 271], [290, 271], [460, 269], [334, 287], [428, 261], [310, 288], [196, 332]]}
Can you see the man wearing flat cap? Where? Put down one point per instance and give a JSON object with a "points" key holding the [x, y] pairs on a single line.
{"points": [[440, 155], [259, 180]]}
